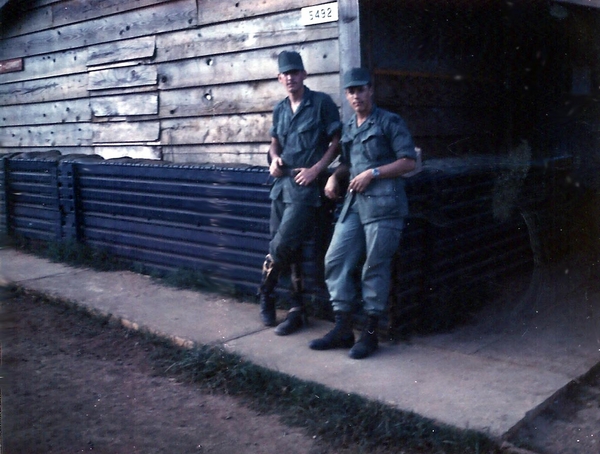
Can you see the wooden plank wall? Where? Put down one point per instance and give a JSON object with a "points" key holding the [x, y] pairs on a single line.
{"points": [[179, 80]]}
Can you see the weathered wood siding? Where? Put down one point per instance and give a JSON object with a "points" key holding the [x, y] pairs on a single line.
{"points": [[179, 80]]}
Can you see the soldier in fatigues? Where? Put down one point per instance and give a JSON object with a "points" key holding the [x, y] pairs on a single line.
{"points": [[304, 141], [377, 149]]}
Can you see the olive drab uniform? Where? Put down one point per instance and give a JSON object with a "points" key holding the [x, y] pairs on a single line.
{"points": [[368, 230], [305, 136], [370, 223]]}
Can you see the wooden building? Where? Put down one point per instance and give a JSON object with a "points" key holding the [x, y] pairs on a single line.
{"points": [[195, 80], [179, 80]]}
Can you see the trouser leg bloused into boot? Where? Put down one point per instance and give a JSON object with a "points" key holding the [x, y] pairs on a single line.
{"points": [[341, 336], [367, 343], [290, 226], [296, 317], [270, 277], [297, 278]]}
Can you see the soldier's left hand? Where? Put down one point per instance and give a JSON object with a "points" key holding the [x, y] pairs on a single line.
{"points": [[361, 181], [305, 176]]}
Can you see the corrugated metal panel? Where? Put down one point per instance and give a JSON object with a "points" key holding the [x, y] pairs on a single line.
{"points": [[176, 217], [32, 197], [3, 188]]}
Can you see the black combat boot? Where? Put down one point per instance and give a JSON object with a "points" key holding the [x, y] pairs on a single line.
{"points": [[267, 309], [368, 342], [270, 276], [296, 317], [341, 336]]}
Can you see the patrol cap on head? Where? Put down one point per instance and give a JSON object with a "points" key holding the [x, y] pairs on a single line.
{"points": [[357, 77], [290, 61]]}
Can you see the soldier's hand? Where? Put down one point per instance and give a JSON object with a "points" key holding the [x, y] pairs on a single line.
{"points": [[275, 169], [305, 176], [332, 188], [361, 181]]}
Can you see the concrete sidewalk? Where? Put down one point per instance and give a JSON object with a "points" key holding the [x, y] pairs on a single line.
{"points": [[488, 376]]}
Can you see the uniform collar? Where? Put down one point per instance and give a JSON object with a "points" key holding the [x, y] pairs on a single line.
{"points": [[306, 98], [370, 119]]}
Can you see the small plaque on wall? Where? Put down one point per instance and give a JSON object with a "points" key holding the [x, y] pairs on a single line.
{"points": [[319, 14]]}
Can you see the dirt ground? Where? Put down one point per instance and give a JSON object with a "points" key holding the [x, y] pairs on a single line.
{"points": [[571, 424], [70, 386]]}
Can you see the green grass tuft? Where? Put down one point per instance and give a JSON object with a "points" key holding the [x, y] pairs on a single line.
{"points": [[77, 254], [339, 418]]}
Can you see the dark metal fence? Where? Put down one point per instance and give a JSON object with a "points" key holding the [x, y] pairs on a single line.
{"points": [[3, 188], [31, 196], [168, 216], [215, 220]]}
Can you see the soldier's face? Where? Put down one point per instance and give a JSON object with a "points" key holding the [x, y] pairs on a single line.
{"points": [[360, 98], [293, 81]]}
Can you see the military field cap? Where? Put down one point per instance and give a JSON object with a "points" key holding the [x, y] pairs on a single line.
{"points": [[290, 61], [357, 77]]}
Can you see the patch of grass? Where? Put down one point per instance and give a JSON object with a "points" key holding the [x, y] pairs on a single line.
{"points": [[77, 254], [339, 418], [72, 253], [190, 279]]}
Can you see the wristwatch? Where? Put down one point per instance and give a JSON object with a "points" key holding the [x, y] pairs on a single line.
{"points": [[375, 172]]}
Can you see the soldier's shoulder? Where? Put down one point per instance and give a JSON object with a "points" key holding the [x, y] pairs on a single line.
{"points": [[391, 118]]}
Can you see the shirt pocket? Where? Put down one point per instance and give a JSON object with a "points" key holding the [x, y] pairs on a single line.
{"points": [[375, 144], [309, 134]]}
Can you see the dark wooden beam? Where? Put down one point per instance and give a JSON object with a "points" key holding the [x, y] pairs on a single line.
{"points": [[350, 44]]}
